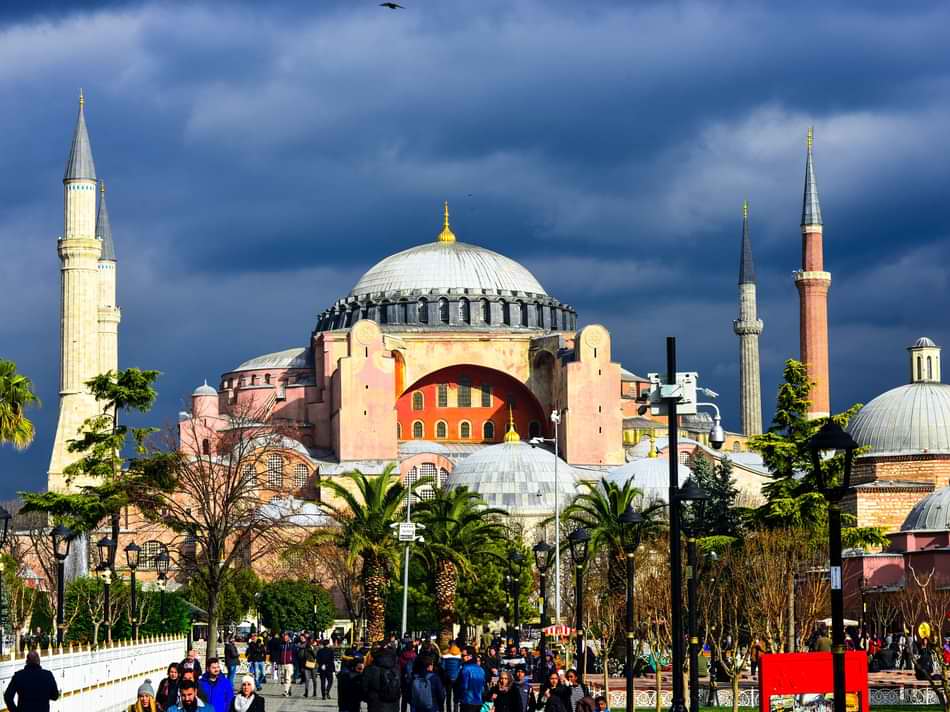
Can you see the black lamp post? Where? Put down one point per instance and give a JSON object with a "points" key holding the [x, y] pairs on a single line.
{"points": [[579, 539], [62, 537], [631, 526], [517, 558], [692, 492], [5, 519], [832, 438], [542, 560], [132, 552], [106, 548], [161, 564]]}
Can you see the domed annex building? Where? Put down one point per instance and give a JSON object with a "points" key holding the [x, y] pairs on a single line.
{"points": [[442, 357], [905, 433]]}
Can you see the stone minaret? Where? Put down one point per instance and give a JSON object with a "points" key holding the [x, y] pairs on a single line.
{"points": [[108, 313], [79, 252], [748, 327], [813, 283]]}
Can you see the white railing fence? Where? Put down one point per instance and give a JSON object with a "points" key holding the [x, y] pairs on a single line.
{"points": [[104, 679]]}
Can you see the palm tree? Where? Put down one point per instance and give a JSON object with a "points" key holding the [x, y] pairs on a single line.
{"points": [[598, 509], [16, 393], [364, 531], [458, 529]]}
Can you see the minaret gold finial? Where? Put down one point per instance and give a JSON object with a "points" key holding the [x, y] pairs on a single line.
{"points": [[446, 235], [811, 137], [512, 435], [82, 99], [745, 209]]}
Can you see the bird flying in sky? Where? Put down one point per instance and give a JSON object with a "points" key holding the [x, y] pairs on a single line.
{"points": [[392, 5]]}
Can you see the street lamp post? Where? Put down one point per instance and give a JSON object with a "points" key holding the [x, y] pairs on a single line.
{"points": [[62, 537], [161, 564], [518, 559], [132, 552], [832, 438], [5, 519], [542, 560], [692, 492], [579, 539], [631, 526], [106, 547]]}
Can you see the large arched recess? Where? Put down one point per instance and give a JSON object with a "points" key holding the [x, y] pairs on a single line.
{"points": [[505, 390]]}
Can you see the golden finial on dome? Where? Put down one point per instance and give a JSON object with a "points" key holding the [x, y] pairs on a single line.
{"points": [[446, 235], [512, 435]]}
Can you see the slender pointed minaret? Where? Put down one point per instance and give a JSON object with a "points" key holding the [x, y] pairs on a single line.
{"points": [[79, 252], [748, 327], [813, 284], [109, 314]]}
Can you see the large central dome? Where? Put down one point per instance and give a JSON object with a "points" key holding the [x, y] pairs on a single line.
{"points": [[442, 266]]}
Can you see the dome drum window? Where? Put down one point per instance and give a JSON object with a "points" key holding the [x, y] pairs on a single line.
{"points": [[275, 471]]}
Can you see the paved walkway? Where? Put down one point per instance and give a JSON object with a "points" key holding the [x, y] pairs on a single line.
{"points": [[276, 702]]}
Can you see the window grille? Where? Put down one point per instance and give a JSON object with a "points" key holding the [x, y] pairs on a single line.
{"points": [[486, 396], [275, 471], [465, 430], [417, 401], [488, 431], [417, 430], [300, 475], [443, 396]]}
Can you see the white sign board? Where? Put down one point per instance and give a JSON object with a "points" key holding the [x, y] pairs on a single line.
{"points": [[407, 532]]}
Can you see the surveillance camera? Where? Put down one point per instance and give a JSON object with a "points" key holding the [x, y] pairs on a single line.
{"points": [[717, 437], [709, 392], [643, 409]]}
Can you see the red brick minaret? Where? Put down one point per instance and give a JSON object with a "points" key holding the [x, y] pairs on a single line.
{"points": [[813, 283]]}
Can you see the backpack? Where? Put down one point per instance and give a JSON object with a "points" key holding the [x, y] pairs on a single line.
{"points": [[422, 695], [390, 687]]}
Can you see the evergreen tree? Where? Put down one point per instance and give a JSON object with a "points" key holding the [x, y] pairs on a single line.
{"points": [[722, 517]]}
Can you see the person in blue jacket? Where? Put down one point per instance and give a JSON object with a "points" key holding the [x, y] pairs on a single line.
{"points": [[471, 683], [217, 687]]}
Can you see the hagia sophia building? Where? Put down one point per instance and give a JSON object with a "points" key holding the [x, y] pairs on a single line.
{"points": [[447, 358]]}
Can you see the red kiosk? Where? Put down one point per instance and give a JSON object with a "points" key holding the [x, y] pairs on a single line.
{"points": [[784, 677]]}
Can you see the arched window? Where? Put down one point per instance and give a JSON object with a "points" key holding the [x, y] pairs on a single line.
{"points": [[524, 313], [465, 392], [534, 429], [920, 368], [267, 379], [442, 396], [282, 389], [275, 471], [488, 431], [444, 310], [441, 430], [684, 458], [443, 476], [423, 311], [410, 480], [736, 446], [254, 380], [300, 475], [539, 313], [206, 447], [382, 313], [243, 380], [403, 312], [465, 430], [417, 401], [418, 431], [465, 315], [486, 396], [486, 311], [930, 369]]}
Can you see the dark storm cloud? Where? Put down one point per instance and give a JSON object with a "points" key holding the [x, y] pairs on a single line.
{"points": [[259, 157]]}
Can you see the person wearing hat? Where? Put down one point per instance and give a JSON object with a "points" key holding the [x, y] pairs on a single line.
{"points": [[247, 699], [144, 698], [32, 688]]}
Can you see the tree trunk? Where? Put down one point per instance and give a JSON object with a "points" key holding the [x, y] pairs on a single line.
{"points": [[211, 645], [658, 682], [374, 584], [446, 584], [735, 683]]}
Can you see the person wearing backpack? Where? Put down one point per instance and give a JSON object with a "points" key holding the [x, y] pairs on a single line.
{"points": [[381, 683], [426, 692]]}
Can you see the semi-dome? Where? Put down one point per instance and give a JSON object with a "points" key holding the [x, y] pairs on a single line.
{"points": [[932, 513], [651, 475], [517, 478], [913, 418]]}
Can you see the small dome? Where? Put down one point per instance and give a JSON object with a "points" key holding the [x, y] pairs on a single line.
{"points": [[204, 390], [651, 475], [932, 513], [924, 342], [517, 478], [910, 418]]}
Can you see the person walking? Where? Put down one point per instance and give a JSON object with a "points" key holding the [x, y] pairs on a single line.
{"points": [[232, 659], [167, 694], [255, 658], [380, 683], [471, 683], [426, 691], [577, 690], [144, 698], [188, 700], [554, 696], [506, 696], [326, 665], [309, 668], [247, 699], [348, 692], [286, 654], [273, 651], [451, 667], [32, 688], [217, 687], [525, 689]]}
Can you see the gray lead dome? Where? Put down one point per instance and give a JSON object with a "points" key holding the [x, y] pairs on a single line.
{"points": [[932, 513], [908, 419]]}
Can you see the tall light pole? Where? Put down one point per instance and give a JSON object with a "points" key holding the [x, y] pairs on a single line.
{"points": [[517, 559], [832, 438], [5, 519], [631, 526], [161, 564], [692, 492], [579, 540], [132, 552], [62, 537], [406, 531], [534, 442], [542, 560]]}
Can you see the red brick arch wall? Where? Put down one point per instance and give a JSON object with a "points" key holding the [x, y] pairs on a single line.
{"points": [[505, 390]]}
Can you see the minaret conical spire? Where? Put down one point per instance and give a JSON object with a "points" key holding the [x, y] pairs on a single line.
{"points": [[811, 208], [746, 264], [79, 163], [104, 227]]}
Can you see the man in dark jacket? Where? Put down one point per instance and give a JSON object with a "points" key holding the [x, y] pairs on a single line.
{"points": [[349, 689], [191, 663], [32, 687], [232, 659], [327, 666], [381, 682], [255, 658]]}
